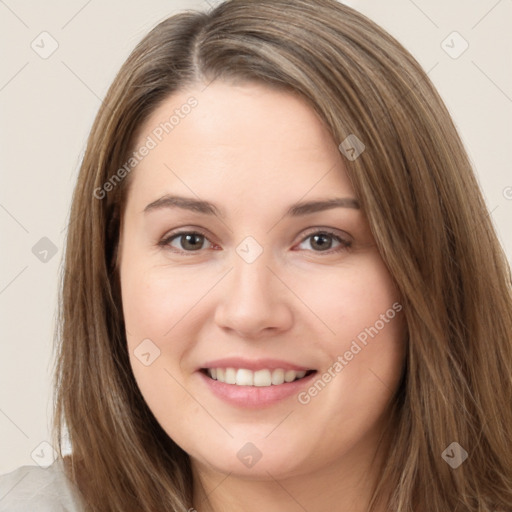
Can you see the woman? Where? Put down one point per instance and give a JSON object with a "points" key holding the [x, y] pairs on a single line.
{"points": [[282, 289]]}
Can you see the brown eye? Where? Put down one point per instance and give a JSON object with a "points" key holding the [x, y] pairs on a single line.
{"points": [[323, 241], [188, 241]]}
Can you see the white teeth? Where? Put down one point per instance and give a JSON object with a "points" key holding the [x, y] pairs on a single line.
{"points": [[230, 376], [289, 376], [260, 378], [244, 377], [277, 377]]}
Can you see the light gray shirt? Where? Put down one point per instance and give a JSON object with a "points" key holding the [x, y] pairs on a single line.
{"points": [[37, 489]]}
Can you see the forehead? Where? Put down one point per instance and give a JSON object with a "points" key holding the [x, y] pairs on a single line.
{"points": [[224, 110], [246, 139]]}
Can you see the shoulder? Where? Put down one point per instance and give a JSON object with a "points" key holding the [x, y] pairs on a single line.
{"points": [[37, 489]]}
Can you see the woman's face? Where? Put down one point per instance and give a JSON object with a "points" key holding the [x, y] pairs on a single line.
{"points": [[232, 264]]}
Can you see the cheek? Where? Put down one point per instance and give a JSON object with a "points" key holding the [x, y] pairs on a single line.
{"points": [[158, 307], [157, 303], [350, 298], [360, 326], [161, 308], [156, 300]]}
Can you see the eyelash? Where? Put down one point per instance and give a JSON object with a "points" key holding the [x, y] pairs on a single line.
{"points": [[344, 244]]}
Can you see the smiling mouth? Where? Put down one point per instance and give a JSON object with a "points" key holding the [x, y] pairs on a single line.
{"points": [[259, 378]]}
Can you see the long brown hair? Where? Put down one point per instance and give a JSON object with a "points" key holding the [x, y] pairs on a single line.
{"points": [[419, 193]]}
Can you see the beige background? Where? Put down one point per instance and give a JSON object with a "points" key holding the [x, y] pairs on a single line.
{"points": [[48, 106]]}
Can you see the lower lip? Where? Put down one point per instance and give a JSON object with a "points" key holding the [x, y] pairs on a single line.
{"points": [[255, 396]]}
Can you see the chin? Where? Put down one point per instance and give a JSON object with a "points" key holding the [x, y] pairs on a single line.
{"points": [[260, 460]]}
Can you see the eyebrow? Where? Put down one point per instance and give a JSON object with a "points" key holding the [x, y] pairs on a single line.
{"points": [[207, 208]]}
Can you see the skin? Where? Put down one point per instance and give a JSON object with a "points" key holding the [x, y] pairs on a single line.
{"points": [[254, 151]]}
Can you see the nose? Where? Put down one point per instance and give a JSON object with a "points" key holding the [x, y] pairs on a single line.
{"points": [[254, 302]]}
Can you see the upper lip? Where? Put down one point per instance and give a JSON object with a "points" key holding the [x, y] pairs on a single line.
{"points": [[253, 364]]}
